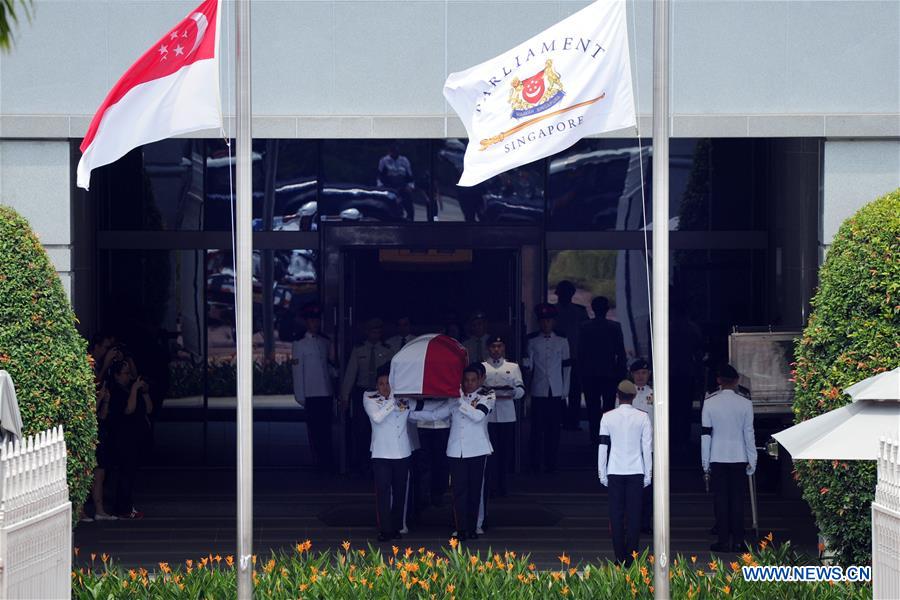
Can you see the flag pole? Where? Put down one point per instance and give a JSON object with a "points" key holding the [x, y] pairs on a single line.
{"points": [[661, 297], [244, 299]]}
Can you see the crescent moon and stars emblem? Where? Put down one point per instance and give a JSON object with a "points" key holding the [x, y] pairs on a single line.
{"points": [[179, 39]]}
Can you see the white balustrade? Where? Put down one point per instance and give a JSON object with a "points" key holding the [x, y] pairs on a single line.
{"points": [[886, 524], [35, 518]]}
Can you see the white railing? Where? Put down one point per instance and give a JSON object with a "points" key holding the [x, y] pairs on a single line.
{"points": [[35, 518], [886, 524]]}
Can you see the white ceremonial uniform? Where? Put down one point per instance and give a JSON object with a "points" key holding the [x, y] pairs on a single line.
{"points": [[476, 348], [468, 424], [627, 435], [311, 371], [548, 358], [643, 401], [390, 421], [727, 430], [504, 374]]}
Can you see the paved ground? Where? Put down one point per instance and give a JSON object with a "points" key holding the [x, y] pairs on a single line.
{"points": [[191, 512]]}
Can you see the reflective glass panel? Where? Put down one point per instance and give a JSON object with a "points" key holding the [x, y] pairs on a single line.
{"points": [[375, 180], [516, 196]]}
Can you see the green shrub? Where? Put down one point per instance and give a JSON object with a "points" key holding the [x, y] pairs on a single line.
{"points": [[43, 352], [451, 574], [852, 334]]}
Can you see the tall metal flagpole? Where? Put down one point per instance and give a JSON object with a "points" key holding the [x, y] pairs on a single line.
{"points": [[661, 297], [244, 299]]}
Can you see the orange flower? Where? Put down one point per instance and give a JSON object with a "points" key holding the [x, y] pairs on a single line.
{"points": [[821, 548], [76, 550], [189, 563], [408, 553], [713, 565], [164, 567], [454, 543], [565, 591], [217, 558], [361, 552], [747, 558], [450, 588], [727, 589], [770, 537], [473, 559], [531, 567], [572, 571], [644, 571], [229, 560], [651, 559], [303, 587], [93, 556], [634, 554], [735, 566], [345, 545], [395, 550], [104, 557], [694, 559], [565, 559]]}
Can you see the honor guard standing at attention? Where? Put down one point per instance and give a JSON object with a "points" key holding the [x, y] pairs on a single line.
{"points": [[640, 375], [624, 464], [476, 343], [404, 335], [364, 362], [313, 367], [504, 378], [728, 455], [390, 450], [467, 448], [547, 356]]}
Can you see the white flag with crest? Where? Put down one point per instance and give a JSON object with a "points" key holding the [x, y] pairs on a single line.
{"points": [[570, 81]]}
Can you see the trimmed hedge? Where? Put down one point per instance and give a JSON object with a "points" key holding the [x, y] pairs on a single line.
{"points": [[852, 334], [43, 352]]}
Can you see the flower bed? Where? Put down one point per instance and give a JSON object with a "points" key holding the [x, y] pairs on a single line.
{"points": [[454, 574]]}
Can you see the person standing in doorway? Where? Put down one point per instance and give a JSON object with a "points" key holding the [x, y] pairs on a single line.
{"points": [[363, 364], [476, 343], [728, 456], [640, 375], [625, 464], [601, 349], [547, 356], [504, 378], [313, 365], [404, 334], [569, 320]]}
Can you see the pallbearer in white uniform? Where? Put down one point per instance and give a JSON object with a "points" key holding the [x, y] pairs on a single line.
{"points": [[467, 449], [728, 455], [624, 464], [640, 375], [390, 450], [504, 379]]}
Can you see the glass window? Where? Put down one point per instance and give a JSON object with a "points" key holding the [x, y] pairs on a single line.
{"points": [[516, 196], [283, 281], [151, 301], [375, 180], [284, 185], [158, 187]]}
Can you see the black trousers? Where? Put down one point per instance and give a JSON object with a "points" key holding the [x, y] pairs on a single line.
{"points": [[129, 442], [413, 506], [360, 432], [728, 483], [434, 474], [391, 477], [318, 426], [573, 406], [625, 514], [503, 436], [546, 420], [600, 396], [466, 479]]}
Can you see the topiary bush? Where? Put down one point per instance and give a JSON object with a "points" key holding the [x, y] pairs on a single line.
{"points": [[43, 352], [852, 333]]}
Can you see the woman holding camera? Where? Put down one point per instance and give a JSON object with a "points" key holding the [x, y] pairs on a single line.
{"points": [[129, 407]]}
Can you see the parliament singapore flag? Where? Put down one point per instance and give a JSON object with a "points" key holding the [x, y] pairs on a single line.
{"points": [[539, 98], [172, 89]]}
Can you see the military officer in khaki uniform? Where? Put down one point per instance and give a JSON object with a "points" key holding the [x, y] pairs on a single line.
{"points": [[359, 377]]}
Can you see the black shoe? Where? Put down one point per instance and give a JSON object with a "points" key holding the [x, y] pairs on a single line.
{"points": [[462, 537], [384, 537], [472, 535], [396, 535], [717, 547]]}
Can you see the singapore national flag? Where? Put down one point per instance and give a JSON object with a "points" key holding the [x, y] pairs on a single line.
{"points": [[172, 89]]}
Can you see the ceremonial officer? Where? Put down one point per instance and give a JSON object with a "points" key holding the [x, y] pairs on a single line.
{"points": [[640, 375], [568, 322], [728, 455], [391, 450], [625, 464], [476, 343], [547, 356], [313, 367], [467, 449], [504, 378], [364, 361], [404, 334]]}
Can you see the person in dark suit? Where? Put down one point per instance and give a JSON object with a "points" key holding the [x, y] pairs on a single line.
{"points": [[601, 353]]}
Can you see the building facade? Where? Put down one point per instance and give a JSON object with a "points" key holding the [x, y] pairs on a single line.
{"points": [[786, 119]]}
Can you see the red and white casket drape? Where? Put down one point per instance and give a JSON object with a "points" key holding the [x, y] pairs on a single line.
{"points": [[430, 365]]}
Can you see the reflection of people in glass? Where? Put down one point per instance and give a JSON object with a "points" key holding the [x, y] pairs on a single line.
{"points": [[601, 355], [570, 318], [395, 171]]}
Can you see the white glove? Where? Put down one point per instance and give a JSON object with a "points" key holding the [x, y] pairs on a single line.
{"points": [[604, 481], [751, 469], [647, 481], [705, 467]]}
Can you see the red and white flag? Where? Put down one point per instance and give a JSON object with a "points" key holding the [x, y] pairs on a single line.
{"points": [[172, 89], [430, 365]]}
